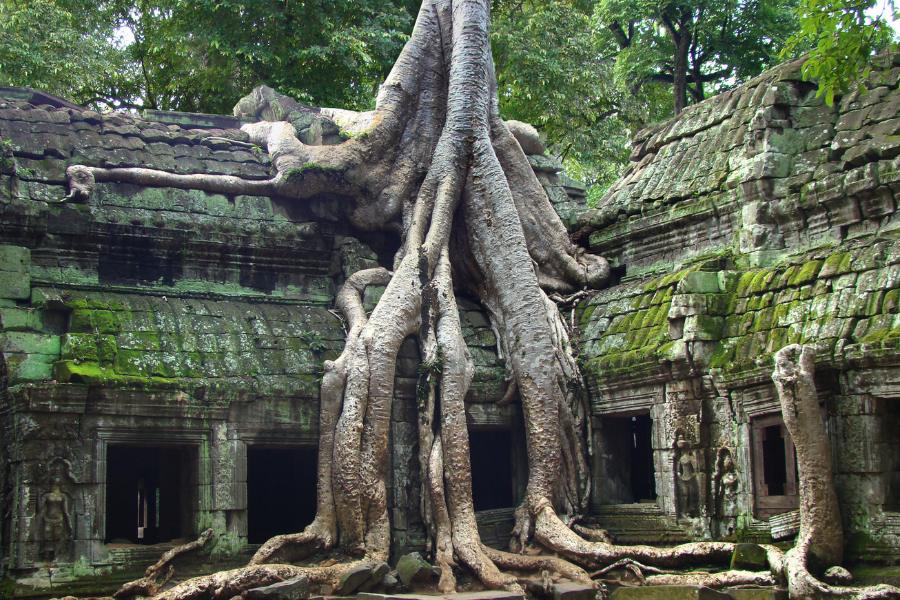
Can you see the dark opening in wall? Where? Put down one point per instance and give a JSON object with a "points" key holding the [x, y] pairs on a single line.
{"points": [[891, 452], [281, 490], [131, 257], [774, 460], [150, 493], [627, 459], [492, 480], [774, 467], [616, 274]]}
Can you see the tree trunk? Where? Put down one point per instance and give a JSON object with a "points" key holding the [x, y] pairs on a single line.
{"points": [[680, 69], [821, 529], [820, 542]]}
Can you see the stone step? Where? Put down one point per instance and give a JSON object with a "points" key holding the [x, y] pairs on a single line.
{"points": [[638, 524], [482, 595], [692, 592], [758, 594], [642, 508], [668, 592]]}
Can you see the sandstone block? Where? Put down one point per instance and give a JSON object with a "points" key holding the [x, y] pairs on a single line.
{"points": [[758, 594], [573, 591], [290, 589], [412, 569], [749, 557], [668, 592], [15, 286], [353, 579], [14, 259]]}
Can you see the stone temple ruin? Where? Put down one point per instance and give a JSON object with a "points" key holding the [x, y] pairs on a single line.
{"points": [[161, 349]]}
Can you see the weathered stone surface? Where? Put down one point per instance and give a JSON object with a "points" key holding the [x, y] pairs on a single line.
{"points": [[668, 592], [573, 591], [749, 557], [758, 594], [413, 569], [754, 220], [291, 589], [377, 578], [353, 579], [482, 595]]}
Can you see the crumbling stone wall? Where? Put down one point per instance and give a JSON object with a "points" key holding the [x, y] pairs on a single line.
{"points": [[753, 220], [155, 316]]}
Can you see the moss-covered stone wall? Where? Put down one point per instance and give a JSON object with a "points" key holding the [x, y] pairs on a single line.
{"points": [[166, 317], [756, 219]]}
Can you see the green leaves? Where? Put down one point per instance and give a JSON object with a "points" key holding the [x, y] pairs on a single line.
{"points": [[201, 55], [551, 73], [589, 74], [840, 37], [63, 47]]}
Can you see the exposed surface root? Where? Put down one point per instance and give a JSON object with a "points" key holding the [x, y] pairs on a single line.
{"points": [[552, 533], [563, 569], [228, 584], [160, 572], [714, 580], [820, 540], [291, 547], [592, 534], [804, 585], [82, 180]]}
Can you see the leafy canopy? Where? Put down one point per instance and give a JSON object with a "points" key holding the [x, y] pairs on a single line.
{"points": [[65, 48], [710, 44], [588, 73], [201, 55], [841, 36]]}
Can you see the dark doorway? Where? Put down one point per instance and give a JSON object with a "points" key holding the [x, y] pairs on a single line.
{"points": [[774, 460], [149, 493], [628, 459], [281, 490], [492, 482], [774, 467]]}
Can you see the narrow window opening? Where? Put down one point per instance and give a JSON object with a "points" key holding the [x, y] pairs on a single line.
{"points": [[490, 452], [891, 425], [775, 477], [774, 461], [281, 490], [149, 493]]}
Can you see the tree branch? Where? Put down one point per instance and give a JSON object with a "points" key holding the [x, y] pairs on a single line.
{"points": [[670, 27], [705, 78], [622, 38]]}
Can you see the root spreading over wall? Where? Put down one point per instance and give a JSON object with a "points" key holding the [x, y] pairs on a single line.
{"points": [[435, 164]]}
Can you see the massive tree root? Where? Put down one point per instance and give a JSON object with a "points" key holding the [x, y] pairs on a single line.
{"points": [[160, 572], [436, 165], [820, 542]]}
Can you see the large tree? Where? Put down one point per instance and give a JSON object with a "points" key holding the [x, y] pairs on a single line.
{"points": [[203, 55], [552, 73], [200, 55], [64, 47], [695, 45], [435, 164]]}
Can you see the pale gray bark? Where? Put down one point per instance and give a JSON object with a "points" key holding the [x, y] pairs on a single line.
{"points": [[820, 541]]}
